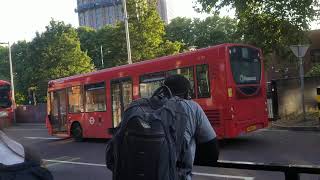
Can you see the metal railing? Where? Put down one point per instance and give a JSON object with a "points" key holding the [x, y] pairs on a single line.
{"points": [[291, 171]]}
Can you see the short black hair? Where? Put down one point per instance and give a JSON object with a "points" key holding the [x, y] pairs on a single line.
{"points": [[179, 85]]}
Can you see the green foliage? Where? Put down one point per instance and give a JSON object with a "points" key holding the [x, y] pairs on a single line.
{"points": [[315, 70], [87, 36], [181, 29], [20, 98], [147, 37], [4, 64], [53, 54], [272, 25], [215, 30], [203, 33], [297, 12]]}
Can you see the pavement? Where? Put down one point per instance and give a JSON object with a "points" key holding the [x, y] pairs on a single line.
{"points": [[310, 123], [67, 159]]}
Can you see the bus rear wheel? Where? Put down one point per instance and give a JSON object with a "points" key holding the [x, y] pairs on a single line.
{"points": [[76, 132]]}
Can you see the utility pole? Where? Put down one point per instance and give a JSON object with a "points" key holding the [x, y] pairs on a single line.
{"points": [[126, 24], [11, 78], [102, 62]]}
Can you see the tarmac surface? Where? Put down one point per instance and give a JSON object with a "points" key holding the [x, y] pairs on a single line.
{"points": [[70, 160]]}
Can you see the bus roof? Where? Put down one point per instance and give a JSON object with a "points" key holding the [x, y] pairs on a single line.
{"points": [[146, 62], [2, 82]]}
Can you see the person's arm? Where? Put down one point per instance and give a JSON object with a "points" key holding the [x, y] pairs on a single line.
{"points": [[207, 150], [207, 154]]}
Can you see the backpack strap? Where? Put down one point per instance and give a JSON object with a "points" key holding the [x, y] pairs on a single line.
{"points": [[177, 130]]}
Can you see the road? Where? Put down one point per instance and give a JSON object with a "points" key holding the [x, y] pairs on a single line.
{"points": [[67, 159]]}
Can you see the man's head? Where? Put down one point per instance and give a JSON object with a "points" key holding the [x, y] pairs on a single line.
{"points": [[179, 85]]}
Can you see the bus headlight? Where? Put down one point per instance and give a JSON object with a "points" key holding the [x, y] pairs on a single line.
{"points": [[3, 114]]}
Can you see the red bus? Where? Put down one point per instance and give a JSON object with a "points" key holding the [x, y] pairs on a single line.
{"points": [[228, 82], [6, 105]]}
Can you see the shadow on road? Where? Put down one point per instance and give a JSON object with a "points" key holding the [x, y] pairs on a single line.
{"points": [[241, 142]]}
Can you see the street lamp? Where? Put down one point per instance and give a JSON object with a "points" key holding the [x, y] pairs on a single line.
{"points": [[11, 77], [126, 24], [102, 61]]}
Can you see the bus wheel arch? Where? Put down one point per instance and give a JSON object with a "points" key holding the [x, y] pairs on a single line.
{"points": [[76, 131]]}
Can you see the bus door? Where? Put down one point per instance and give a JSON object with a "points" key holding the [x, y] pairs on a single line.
{"points": [[96, 110], [121, 93], [58, 115]]}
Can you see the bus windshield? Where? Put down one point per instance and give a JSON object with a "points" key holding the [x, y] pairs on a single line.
{"points": [[245, 65], [5, 101]]}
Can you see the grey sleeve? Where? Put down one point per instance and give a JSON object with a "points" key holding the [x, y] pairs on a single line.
{"points": [[204, 131]]}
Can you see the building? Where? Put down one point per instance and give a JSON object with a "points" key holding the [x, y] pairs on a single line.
{"points": [[98, 13]]}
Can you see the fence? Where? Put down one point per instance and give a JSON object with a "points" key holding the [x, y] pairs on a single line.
{"points": [[31, 114]]}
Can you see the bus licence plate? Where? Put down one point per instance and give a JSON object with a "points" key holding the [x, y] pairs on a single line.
{"points": [[251, 128]]}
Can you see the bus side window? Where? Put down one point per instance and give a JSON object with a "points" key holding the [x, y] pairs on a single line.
{"points": [[150, 82], [95, 97], [203, 82], [75, 99], [187, 72]]}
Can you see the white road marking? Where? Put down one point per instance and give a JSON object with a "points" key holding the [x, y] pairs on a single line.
{"points": [[195, 173], [223, 176], [58, 163], [21, 129], [76, 163], [44, 138]]}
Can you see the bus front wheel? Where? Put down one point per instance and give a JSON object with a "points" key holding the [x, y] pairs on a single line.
{"points": [[76, 132]]}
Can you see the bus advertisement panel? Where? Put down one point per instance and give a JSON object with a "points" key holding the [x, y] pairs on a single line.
{"points": [[227, 81]]}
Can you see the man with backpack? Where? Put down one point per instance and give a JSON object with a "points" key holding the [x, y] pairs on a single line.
{"points": [[158, 137]]}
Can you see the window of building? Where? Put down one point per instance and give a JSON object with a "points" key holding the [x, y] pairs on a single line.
{"points": [[187, 73], [75, 100], [150, 82], [203, 82], [95, 97], [315, 55]]}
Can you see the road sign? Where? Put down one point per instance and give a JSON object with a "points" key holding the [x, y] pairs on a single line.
{"points": [[299, 50]]}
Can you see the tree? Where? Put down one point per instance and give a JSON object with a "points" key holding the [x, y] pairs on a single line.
{"points": [[297, 12], [181, 29], [22, 70], [88, 40], [315, 70], [147, 37], [269, 24], [53, 54], [203, 33], [4, 64], [146, 30], [215, 30]]}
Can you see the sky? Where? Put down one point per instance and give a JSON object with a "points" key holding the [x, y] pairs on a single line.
{"points": [[21, 19]]}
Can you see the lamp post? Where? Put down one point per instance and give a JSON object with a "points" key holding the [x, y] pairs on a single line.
{"points": [[102, 61], [126, 24], [11, 77]]}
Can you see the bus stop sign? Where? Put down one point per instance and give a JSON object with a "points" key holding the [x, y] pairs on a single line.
{"points": [[299, 50]]}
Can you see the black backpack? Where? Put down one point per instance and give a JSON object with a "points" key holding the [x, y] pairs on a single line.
{"points": [[149, 143]]}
